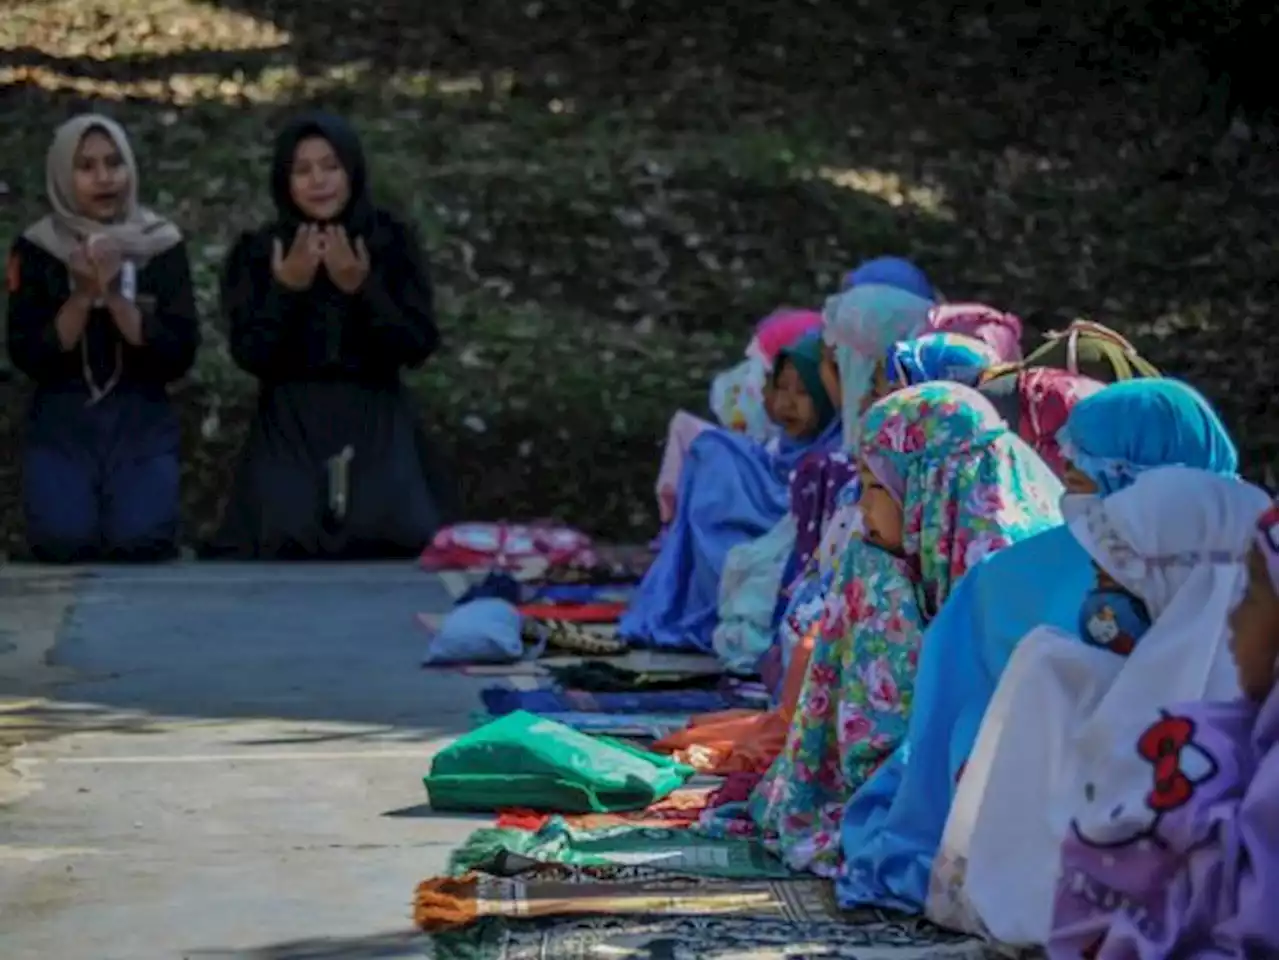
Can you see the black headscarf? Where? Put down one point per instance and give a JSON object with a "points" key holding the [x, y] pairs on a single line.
{"points": [[359, 217]]}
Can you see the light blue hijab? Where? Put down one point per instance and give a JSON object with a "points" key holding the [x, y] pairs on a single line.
{"points": [[861, 324], [1181, 429], [893, 824]]}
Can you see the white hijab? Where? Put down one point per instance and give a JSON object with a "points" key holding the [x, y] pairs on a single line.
{"points": [[1178, 538], [1056, 750]]}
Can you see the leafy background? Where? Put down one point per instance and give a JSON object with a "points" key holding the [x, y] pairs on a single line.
{"points": [[612, 192]]}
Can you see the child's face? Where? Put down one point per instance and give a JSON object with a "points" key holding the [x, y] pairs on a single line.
{"points": [[830, 374], [790, 405], [1254, 631], [1077, 481], [881, 513]]}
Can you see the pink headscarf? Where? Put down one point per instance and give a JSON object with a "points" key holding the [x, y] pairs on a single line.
{"points": [[1002, 332], [784, 327], [1047, 396]]}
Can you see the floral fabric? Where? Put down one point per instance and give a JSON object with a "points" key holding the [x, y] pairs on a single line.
{"points": [[968, 487], [814, 489], [807, 593], [938, 356], [852, 712], [737, 398]]}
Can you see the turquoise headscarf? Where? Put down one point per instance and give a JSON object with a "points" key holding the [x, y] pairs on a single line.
{"points": [[861, 324], [1131, 426], [806, 356], [938, 356]]}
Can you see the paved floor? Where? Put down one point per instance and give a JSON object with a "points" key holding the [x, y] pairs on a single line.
{"points": [[220, 761]]}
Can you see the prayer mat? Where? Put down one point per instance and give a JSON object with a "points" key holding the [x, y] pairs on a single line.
{"points": [[867, 934], [600, 677], [446, 903], [562, 637], [676, 850], [705, 938]]}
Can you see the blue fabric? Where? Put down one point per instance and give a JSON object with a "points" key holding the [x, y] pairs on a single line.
{"points": [[101, 481], [495, 586], [937, 356], [892, 826], [500, 701], [891, 272], [485, 630], [732, 490]]}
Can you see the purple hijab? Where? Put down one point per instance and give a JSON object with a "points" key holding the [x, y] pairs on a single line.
{"points": [[814, 486]]}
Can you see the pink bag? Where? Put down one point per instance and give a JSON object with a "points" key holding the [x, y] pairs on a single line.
{"points": [[507, 546]]}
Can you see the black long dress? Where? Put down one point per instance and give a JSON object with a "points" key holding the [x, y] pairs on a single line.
{"points": [[336, 465]]}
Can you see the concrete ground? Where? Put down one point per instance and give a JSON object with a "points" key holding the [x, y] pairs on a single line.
{"points": [[219, 761]]}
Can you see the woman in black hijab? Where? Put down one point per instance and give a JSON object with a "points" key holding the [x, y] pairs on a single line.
{"points": [[325, 307]]}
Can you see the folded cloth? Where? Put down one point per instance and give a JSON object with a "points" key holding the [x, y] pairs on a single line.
{"points": [[575, 612], [496, 586], [482, 631], [597, 675], [530, 761]]}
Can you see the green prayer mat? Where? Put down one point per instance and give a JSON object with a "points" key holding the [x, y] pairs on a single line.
{"points": [[498, 849]]}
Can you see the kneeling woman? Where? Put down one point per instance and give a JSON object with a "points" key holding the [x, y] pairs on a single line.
{"points": [[102, 317], [325, 306]]}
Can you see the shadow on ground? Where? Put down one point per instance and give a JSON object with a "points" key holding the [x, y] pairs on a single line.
{"points": [[301, 648], [390, 946]]}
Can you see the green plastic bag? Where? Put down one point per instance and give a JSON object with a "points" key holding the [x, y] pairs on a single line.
{"points": [[523, 760]]}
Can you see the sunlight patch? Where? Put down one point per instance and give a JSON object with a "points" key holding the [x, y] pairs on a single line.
{"points": [[889, 187]]}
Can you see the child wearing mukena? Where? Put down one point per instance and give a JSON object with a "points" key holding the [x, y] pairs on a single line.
{"points": [[1192, 870]]}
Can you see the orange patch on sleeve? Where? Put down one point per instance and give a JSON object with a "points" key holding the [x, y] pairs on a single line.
{"points": [[13, 273]]}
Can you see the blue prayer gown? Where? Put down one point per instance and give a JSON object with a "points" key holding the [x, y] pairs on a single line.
{"points": [[732, 490]]}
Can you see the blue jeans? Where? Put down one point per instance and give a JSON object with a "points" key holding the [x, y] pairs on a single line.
{"points": [[101, 482]]}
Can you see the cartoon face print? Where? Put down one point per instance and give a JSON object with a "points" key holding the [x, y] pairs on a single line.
{"points": [[1104, 630], [1112, 618], [1177, 764], [1103, 626]]}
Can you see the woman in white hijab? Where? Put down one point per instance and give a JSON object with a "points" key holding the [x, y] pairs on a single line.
{"points": [[1171, 555]]}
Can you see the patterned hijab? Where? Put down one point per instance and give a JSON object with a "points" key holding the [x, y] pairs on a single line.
{"points": [[1036, 402], [1002, 332], [938, 356], [861, 324], [1130, 427], [968, 486]]}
